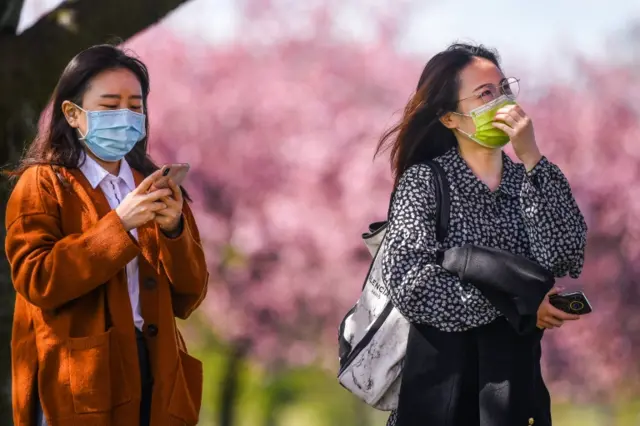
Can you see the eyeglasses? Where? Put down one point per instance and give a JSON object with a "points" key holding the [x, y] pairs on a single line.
{"points": [[509, 86]]}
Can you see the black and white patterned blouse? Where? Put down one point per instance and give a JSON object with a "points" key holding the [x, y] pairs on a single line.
{"points": [[532, 214]]}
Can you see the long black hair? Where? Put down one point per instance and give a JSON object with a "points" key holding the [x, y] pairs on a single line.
{"points": [[57, 144], [420, 135]]}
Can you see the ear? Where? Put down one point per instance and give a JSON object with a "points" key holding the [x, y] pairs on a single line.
{"points": [[71, 113], [450, 120]]}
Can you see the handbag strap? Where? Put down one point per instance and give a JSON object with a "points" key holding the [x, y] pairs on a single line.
{"points": [[442, 200]]}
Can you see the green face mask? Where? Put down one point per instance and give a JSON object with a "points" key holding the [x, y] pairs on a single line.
{"points": [[486, 134]]}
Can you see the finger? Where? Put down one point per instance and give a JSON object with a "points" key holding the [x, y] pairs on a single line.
{"points": [[171, 203], [518, 109], [157, 194], [557, 313], [177, 192], [169, 214], [556, 322], [162, 220], [513, 113], [544, 324], [159, 183], [555, 290], [508, 130], [505, 109], [507, 118], [145, 185], [150, 216], [157, 206]]}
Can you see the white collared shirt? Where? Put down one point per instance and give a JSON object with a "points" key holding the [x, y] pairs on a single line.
{"points": [[115, 188]]}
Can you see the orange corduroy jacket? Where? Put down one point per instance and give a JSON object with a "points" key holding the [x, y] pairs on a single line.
{"points": [[73, 334]]}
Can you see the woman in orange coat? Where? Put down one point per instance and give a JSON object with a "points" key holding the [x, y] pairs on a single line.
{"points": [[102, 262]]}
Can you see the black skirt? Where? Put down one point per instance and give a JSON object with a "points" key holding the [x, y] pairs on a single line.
{"points": [[146, 379], [487, 376]]}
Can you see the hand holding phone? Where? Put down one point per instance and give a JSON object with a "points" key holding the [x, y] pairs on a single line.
{"points": [[176, 172], [142, 204], [572, 303]]}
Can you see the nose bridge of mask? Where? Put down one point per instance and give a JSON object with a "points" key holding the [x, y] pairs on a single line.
{"points": [[495, 104], [117, 119], [113, 119]]}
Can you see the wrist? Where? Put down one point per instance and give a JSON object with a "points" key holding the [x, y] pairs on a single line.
{"points": [[531, 159], [127, 227]]}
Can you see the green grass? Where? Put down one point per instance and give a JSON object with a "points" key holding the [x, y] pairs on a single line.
{"points": [[311, 396]]}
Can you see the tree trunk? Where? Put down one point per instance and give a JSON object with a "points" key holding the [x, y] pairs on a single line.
{"points": [[30, 64], [272, 408], [10, 11], [230, 382]]}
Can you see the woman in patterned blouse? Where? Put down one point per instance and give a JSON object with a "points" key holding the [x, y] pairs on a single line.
{"points": [[526, 209]]}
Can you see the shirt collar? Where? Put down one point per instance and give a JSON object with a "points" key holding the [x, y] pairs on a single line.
{"points": [[468, 183], [95, 173]]}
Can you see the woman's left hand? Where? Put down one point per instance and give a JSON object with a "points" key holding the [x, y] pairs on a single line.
{"points": [[551, 317], [518, 126], [168, 219]]}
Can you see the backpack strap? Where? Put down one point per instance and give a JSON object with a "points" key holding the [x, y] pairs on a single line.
{"points": [[442, 200]]}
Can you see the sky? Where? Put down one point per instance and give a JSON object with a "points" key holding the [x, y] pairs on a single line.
{"points": [[533, 34]]}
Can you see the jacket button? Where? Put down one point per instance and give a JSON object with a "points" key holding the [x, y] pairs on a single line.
{"points": [[150, 283], [152, 330], [531, 421]]}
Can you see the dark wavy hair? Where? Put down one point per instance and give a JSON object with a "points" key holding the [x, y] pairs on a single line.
{"points": [[58, 145], [420, 135]]}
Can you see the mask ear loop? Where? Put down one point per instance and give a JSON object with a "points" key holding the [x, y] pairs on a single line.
{"points": [[82, 137], [460, 130]]}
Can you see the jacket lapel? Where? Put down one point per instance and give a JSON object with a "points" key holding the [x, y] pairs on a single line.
{"points": [[80, 184], [147, 234]]}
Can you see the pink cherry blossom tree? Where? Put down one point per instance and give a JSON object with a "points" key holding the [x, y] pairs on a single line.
{"points": [[591, 129], [281, 140], [281, 136]]}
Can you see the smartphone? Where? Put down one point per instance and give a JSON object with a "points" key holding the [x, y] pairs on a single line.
{"points": [[176, 172], [572, 303]]}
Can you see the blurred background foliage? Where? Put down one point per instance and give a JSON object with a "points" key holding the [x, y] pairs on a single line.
{"points": [[278, 105]]}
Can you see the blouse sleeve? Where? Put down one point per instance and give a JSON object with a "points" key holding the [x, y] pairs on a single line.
{"points": [[556, 228], [408, 260]]}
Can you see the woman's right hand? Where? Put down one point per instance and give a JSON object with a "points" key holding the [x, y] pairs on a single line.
{"points": [[551, 317], [140, 205]]}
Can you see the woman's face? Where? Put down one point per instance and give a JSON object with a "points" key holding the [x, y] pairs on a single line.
{"points": [[109, 90], [478, 83]]}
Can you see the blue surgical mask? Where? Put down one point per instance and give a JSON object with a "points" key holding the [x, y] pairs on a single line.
{"points": [[112, 134]]}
